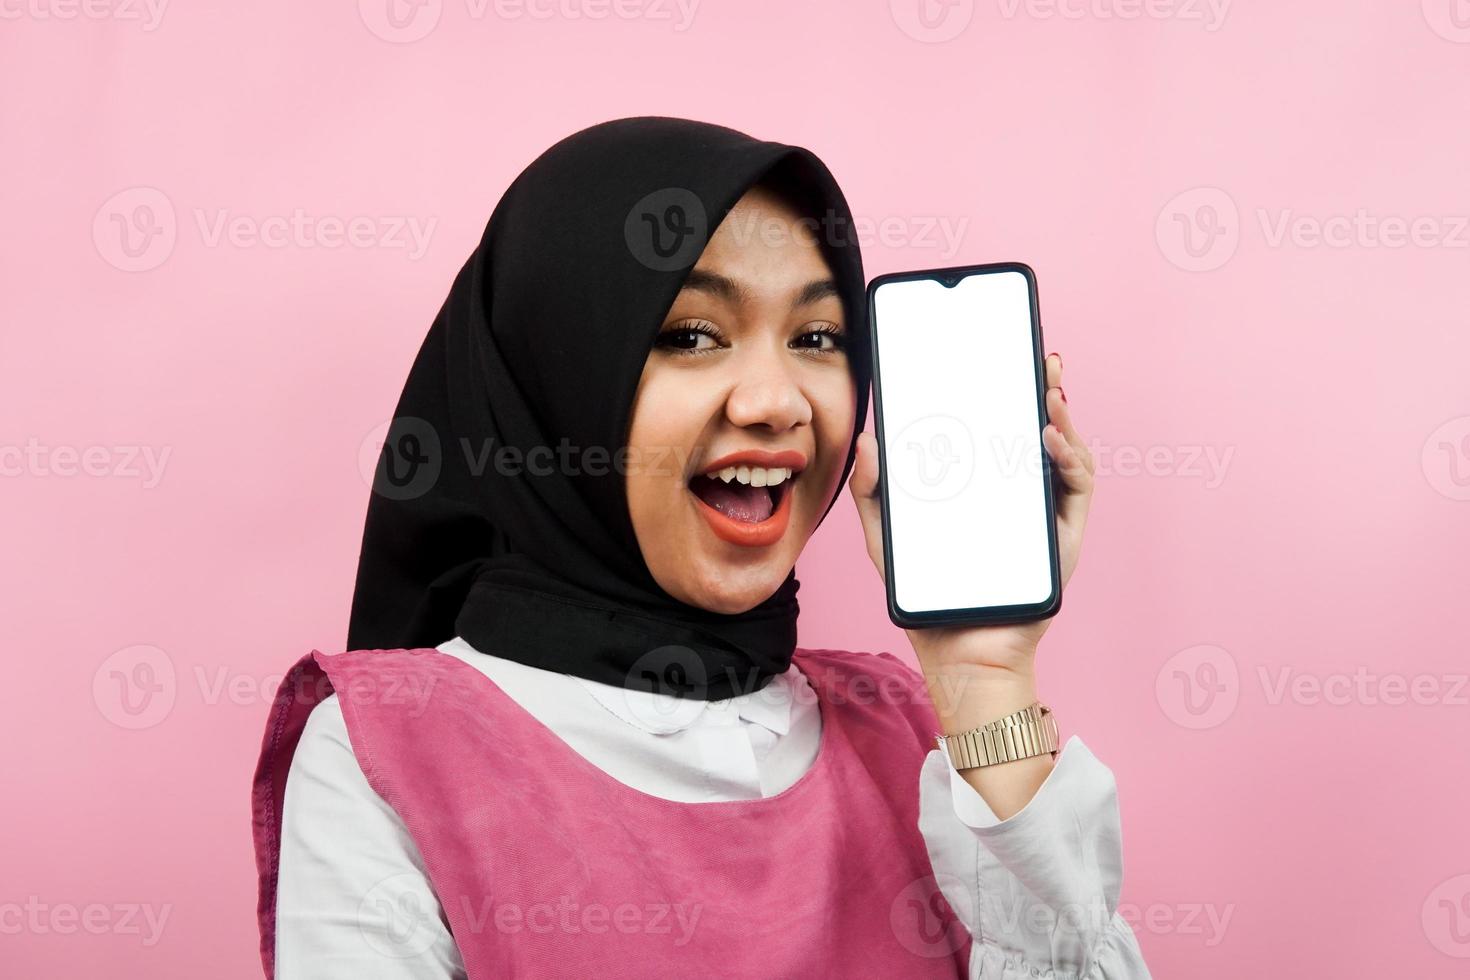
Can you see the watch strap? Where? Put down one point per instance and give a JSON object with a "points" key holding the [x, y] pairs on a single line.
{"points": [[1031, 731]]}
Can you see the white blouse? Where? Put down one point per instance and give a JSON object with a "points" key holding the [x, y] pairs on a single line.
{"points": [[1038, 891]]}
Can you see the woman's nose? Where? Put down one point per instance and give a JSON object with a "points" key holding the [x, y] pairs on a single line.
{"points": [[767, 393]]}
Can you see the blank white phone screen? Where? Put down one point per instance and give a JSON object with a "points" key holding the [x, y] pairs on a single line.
{"points": [[962, 453]]}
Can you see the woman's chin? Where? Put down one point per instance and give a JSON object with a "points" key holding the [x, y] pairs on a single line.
{"points": [[704, 568], [730, 590]]}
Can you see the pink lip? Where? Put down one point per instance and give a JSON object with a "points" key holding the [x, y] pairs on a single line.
{"points": [[792, 459]]}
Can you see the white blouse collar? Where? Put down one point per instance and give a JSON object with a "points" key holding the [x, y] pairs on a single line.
{"points": [[663, 714]]}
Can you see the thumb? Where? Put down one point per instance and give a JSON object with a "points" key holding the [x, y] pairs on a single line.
{"points": [[864, 486]]}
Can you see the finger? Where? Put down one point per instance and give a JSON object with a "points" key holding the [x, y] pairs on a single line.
{"points": [[863, 483], [1053, 369], [1067, 461], [864, 480], [1060, 414]]}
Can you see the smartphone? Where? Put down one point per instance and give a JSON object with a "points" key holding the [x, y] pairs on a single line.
{"points": [[959, 388]]}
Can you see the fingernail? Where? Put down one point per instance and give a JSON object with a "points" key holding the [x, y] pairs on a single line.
{"points": [[1057, 356], [1063, 392]]}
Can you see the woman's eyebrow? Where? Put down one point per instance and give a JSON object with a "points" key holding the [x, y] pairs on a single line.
{"points": [[728, 289], [817, 289], [717, 285]]}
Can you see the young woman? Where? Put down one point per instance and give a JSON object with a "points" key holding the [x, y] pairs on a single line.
{"points": [[572, 734]]}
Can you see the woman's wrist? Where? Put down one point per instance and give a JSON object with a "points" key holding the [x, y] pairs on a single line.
{"points": [[984, 649], [971, 683], [966, 698]]}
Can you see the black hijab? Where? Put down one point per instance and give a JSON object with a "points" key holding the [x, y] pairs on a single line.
{"points": [[499, 511]]}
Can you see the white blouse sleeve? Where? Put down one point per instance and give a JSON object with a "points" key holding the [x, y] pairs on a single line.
{"points": [[1039, 890], [353, 899]]}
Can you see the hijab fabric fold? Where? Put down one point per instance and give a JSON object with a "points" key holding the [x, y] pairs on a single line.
{"points": [[499, 510]]}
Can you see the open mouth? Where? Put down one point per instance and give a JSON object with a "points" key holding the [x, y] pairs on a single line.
{"points": [[749, 494], [745, 497]]}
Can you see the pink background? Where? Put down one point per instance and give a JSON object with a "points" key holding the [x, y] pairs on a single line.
{"points": [[1314, 830]]}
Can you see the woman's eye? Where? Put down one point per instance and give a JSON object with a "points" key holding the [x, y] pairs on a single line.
{"points": [[823, 338], [703, 337], [688, 338]]}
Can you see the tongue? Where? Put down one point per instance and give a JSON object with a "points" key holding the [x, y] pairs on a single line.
{"points": [[734, 499]]}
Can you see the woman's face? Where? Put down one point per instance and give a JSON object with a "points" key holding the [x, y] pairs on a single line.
{"points": [[747, 386]]}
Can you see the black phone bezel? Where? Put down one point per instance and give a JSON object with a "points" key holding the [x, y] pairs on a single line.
{"points": [[977, 615]]}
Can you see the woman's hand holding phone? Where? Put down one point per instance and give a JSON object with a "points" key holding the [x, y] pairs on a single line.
{"points": [[977, 674]]}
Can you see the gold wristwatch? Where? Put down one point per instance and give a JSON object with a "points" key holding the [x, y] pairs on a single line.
{"points": [[1020, 735]]}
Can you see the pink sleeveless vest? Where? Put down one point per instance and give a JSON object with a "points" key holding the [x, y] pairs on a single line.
{"points": [[545, 866]]}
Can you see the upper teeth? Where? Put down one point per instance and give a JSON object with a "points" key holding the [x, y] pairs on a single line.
{"points": [[756, 476]]}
